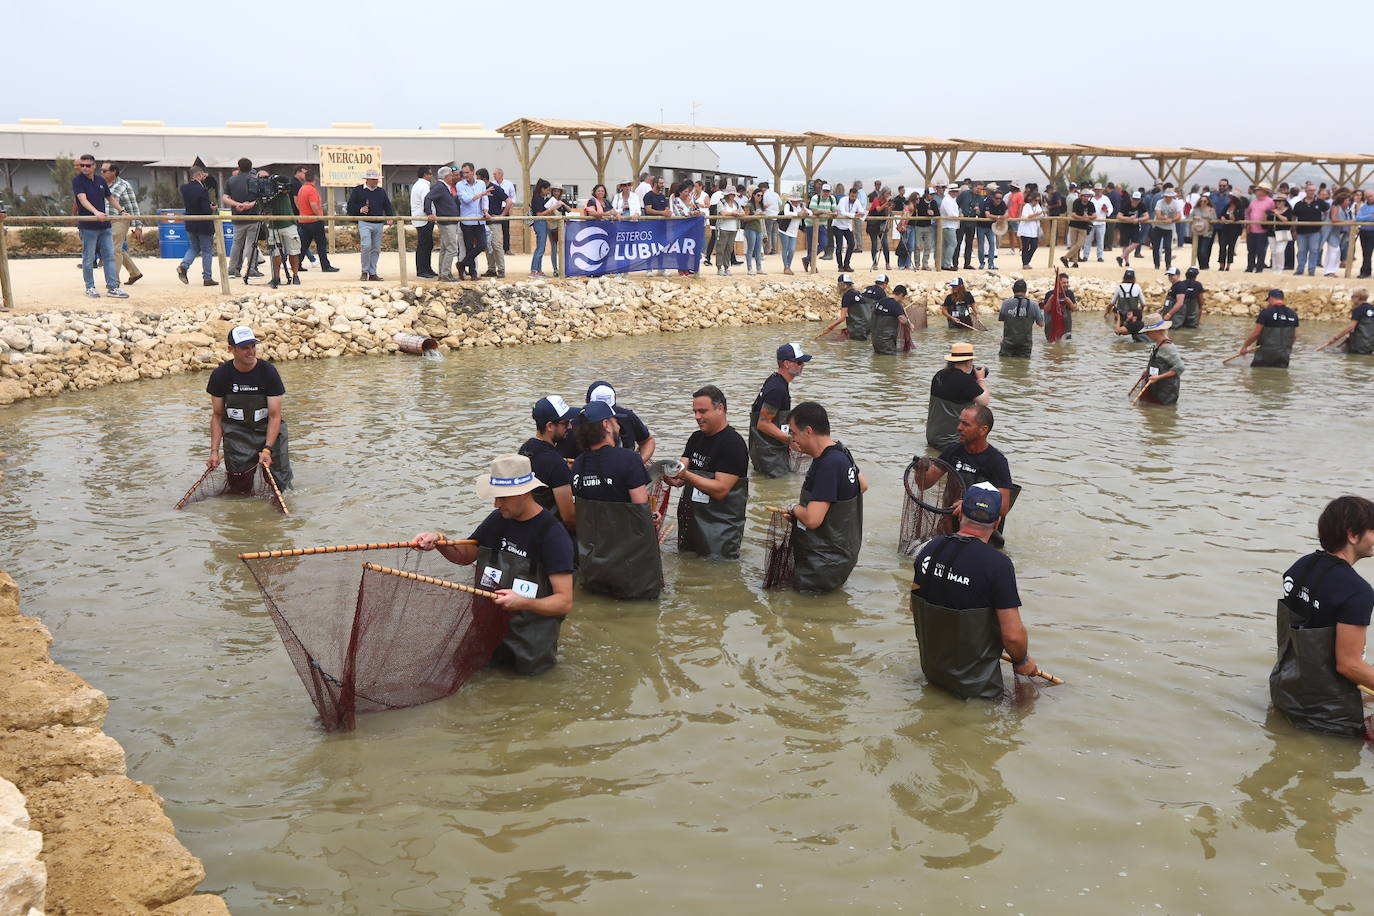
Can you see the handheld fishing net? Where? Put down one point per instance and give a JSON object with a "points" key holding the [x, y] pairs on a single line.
{"points": [[220, 481], [779, 568], [932, 489], [799, 462], [367, 629], [661, 494]]}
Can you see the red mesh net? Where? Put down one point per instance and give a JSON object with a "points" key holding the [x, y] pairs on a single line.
{"points": [[779, 567], [382, 636], [220, 481], [932, 489]]}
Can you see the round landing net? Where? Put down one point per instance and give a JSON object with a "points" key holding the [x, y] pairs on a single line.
{"points": [[369, 627], [220, 481], [779, 567], [932, 489]]}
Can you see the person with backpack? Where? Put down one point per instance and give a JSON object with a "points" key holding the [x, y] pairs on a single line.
{"points": [[1126, 296]]}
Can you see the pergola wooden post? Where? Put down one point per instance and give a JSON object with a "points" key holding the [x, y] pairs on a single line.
{"points": [[806, 154], [601, 134]]}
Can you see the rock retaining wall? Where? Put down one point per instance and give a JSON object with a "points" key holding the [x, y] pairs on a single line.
{"points": [[102, 843], [48, 353]]}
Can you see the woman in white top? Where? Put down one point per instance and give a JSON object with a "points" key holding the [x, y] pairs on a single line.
{"points": [[1028, 229], [625, 204], [684, 204], [555, 206], [726, 230], [787, 229]]}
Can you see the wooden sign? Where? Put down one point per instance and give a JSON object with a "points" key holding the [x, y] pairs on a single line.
{"points": [[344, 166]]}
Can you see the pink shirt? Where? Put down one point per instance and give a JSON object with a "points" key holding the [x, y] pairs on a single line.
{"points": [[1014, 204], [1258, 210]]}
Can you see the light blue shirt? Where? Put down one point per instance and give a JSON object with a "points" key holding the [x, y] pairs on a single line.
{"points": [[469, 204], [1365, 215]]}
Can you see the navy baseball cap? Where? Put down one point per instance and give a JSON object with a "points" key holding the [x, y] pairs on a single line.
{"points": [[1273, 294], [597, 411], [794, 352], [551, 409], [983, 503]]}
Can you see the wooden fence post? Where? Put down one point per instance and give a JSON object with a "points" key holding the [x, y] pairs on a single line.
{"points": [[1350, 249], [401, 247], [6, 293], [219, 252]]}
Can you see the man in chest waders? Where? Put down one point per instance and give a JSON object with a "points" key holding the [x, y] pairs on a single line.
{"points": [[1185, 300], [1323, 618], [714, 481], [1275, 330], [830, 516], [245, 397], [976, 460], [1018, 316], [525, 556], [888, 318], [617, 546], [955, 388], [1126, 298], [1359, 334], [855, 308], [768, 437], [552, 416], [1165, 369], [966, 606]]}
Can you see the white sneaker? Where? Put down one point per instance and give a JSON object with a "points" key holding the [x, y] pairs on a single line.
{"points": [[749, 271], [116, 293], [92, 293]]}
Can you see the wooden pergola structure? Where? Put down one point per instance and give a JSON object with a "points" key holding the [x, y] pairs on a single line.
{"points": [[601, 135], [937, 155], [1054, 160], [1259, 167], [775, 147], [1159, 162], [1350, 170]]}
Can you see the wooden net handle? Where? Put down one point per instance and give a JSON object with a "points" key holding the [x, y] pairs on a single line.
{"points": [[776, 511], [200, 480], [1237, 356], [1366, 691], [267, 472], [341, 548], [1053, 681], [430, 580]]}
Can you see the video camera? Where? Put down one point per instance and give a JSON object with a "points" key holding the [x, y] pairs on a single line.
{"points": [[265, 190]]}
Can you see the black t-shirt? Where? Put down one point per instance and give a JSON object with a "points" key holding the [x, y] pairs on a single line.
{"points": [[632, 431], [1361, 312], [496, 200], [776, 393], [1304, 212], [1054, 203], [851, 298], [926, 207], [654, 200], [723, 453], [959, 304], [549, 466], [833, 478], [555, 551], [988, 465], [1185, 288], [963, 573], [889, 306], [995, 208], [1082, 207], [952, 384], [261, 379], [608, 474], [1278, 316], [1331, 590]]}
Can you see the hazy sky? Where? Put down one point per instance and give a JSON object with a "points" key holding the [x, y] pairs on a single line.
{"points": [[1225, 74]]}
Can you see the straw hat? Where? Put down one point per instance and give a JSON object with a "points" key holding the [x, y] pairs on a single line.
{"points": [[960, 351], [509, 475]]}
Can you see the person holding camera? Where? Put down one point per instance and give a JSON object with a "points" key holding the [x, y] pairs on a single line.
{"points": [[955, 388], [283, 237]]}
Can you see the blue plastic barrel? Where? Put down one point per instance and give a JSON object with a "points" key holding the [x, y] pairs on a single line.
{"points": [[171, 237], [228, 233]]}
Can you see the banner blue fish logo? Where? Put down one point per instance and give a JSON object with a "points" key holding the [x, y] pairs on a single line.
{"points": [[589, 248]]}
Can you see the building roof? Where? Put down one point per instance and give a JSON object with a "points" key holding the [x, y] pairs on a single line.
{"points": [[250, 129]]}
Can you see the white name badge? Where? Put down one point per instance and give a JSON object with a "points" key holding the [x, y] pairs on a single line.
{"points": [[491, 577], [525, 588], [1154, 370], [699, 497], [260, 415], [234, 413], [786, 429]]}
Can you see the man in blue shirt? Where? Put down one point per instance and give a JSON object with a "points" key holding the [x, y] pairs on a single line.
{"points": [[92, 197], [472, 198], [195, 199]]}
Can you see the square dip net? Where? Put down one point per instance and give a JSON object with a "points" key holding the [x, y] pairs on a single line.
{"points": [[779, 564], [220, 481], [932, 488], [367, 628]]}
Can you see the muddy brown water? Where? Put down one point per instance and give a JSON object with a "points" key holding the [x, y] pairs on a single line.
{"points": [[726, 749]]}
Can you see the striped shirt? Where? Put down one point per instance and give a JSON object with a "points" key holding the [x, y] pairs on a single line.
{"points": [[123, 192]]}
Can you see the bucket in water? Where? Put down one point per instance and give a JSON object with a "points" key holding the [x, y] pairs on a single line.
{"points": [[415, 343]]}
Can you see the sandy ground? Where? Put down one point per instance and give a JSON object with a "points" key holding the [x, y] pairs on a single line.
{"points": [[55, 284]]}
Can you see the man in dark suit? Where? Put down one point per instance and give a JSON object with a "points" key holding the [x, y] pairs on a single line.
{"points": [[200, 238]]}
